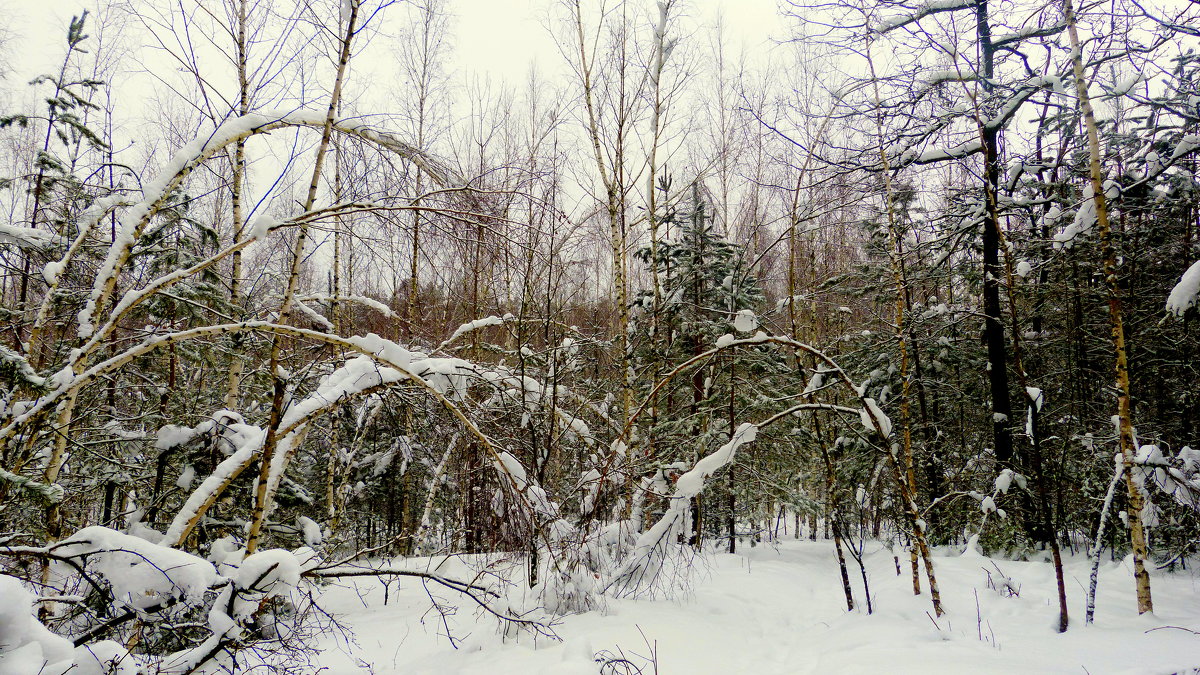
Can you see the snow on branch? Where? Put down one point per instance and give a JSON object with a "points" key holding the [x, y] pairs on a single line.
{"points": [[247, 441], [1187, 144], [140, 584], [1185, 293], [142, 574], [936, 7], [52, 493], [959, 151], [1177, 476], [471, 326], [639, 568], [874, 419], [27, 237], [18, 365], [133, 221], [363, 300], [313, 314], [1031, 31]]}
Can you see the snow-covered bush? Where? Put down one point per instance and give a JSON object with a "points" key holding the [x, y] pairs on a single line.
{"points": [[173, 611]]}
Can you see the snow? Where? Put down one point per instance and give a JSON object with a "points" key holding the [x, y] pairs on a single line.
{"points": [[134, 219], [26, 237], [1005, 480], [1186, 292], [52, 271], [311, 530], [933, 7], [142, 574], [1178, 477], [778, 609], [247, 440], [26, 646], [1186, 144], [385, 349], [104, 658], [640, 570], [576, 427], [372, 303], [691, 483], [510, 465], [1085, 218], [1024, 268], [940, 154], [1124, 86], [186, 477], [172, 435], [816, 381], [1036, 396], [261, 227], [263, 575], [475, 325], [20, 365], [745, 321], [312, 314], [941, 76], [355, 376], [872, 410]]}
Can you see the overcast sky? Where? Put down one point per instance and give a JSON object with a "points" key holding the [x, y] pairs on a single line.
{"points": [[498, 37]]}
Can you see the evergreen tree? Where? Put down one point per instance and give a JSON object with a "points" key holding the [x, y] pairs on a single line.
{"points": [[58, 194], [707, 292]]}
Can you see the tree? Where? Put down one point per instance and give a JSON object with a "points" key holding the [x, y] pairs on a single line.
{"points": [[706, 292]]}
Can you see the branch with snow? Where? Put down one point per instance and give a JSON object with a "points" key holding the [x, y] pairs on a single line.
{"points": [[136, 579], [133, 221], [639, 569], [27, 237], [370, 303], [51, 493], [1186, 292], [475, 325], [920, 12]]}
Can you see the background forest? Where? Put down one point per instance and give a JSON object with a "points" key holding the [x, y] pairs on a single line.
{"points": [[284, 292]]}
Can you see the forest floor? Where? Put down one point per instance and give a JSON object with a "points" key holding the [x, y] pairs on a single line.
{"points": [[780, 608]]}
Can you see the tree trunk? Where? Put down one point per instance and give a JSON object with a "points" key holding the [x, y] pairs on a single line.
{"points": [[1137, 534]]}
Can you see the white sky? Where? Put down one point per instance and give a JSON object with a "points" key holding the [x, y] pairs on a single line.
{"points": [[501, 38], [497, 39]]}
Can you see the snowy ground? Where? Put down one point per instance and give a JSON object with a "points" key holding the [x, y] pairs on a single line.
{"points": [[781, 610]]}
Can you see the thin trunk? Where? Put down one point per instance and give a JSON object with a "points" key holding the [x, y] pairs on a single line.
{"points": [[1098, 544], [993, 327], [1034, 401], [614, 206], [731, 504], [39, 194], [335, 315], [832, 516], [237, 363], [903, 466], [1137, 534], [262, 494], [841, 558]]}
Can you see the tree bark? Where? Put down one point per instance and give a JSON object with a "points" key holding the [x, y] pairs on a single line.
{"points": [[1137, 534]]}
